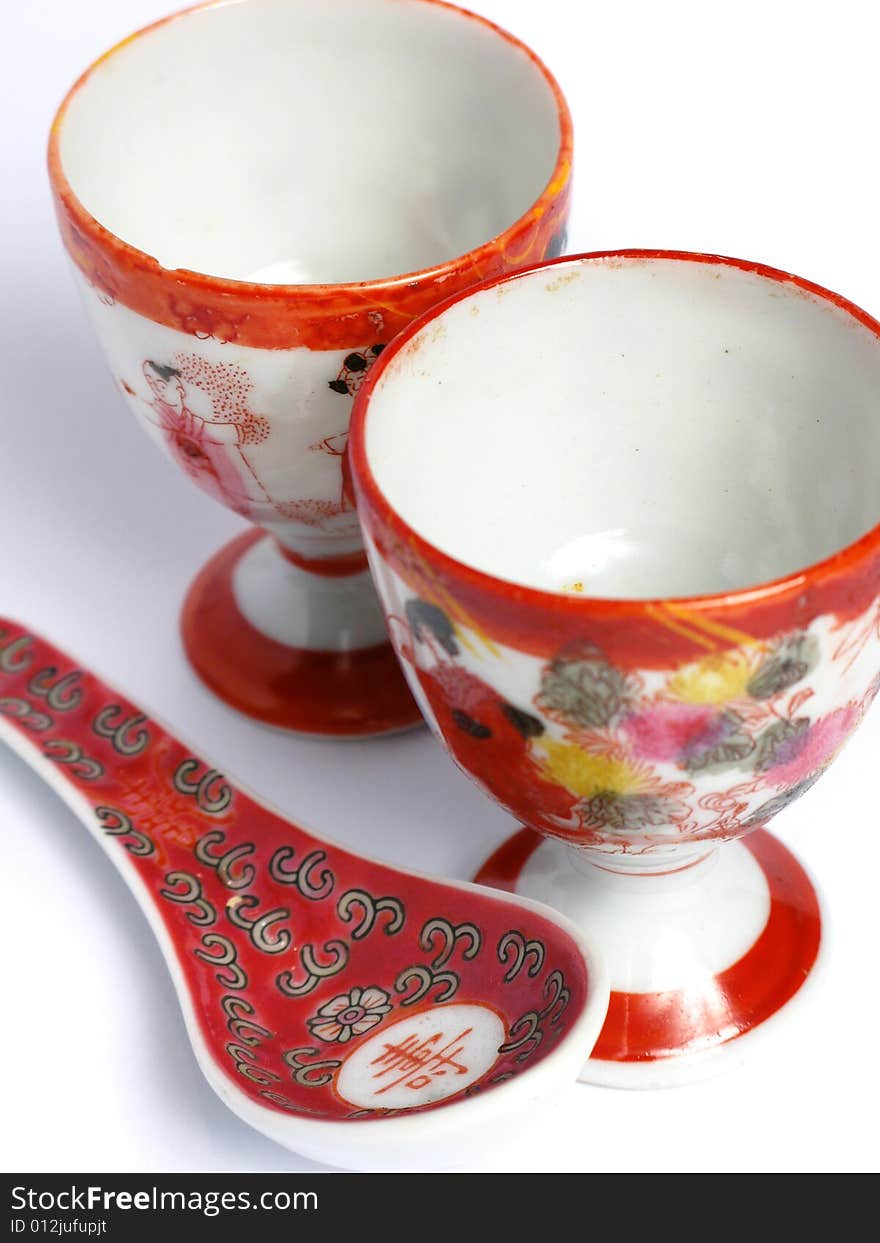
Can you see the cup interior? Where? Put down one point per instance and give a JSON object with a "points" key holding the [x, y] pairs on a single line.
{"points": [[634, 427], [312, 141]]}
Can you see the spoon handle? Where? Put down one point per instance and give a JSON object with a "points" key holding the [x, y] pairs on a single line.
{"points": [[285, 949]]}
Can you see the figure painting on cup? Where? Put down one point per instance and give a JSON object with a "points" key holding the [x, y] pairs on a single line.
{"points": [[206, 443], [354, 370], [351, 376]]}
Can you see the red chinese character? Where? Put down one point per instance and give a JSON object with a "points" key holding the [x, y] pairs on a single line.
{"points": [[420, 1061]]}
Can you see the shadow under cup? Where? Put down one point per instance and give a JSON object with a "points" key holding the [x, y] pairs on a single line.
{"points": [[257, 196], [636, 591]]}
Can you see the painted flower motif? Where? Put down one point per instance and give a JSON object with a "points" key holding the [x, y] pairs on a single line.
{"points": [[612, 793], [797, 758], [716, 679], [786, 664], [773, 806], [695, 736], [780, 743], [587, 773], [350, 1014], [585, 690], [595, 752], [624, 813], [665, 731], [725, 743]]}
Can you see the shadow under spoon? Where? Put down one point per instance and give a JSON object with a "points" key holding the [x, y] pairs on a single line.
{"points": [[358, 1014]]}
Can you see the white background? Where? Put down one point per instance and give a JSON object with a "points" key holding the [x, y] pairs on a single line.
{"points": [[746, 128]]}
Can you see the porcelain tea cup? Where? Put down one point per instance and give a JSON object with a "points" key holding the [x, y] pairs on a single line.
{"points": [[256, 196]]}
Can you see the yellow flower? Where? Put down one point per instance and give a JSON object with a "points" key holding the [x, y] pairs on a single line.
{"points": [[586, 774], [716, 678]]}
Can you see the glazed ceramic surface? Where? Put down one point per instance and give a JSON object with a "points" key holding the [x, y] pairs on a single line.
{"points": [[243, 280], [719, 430], [353, 1012]]}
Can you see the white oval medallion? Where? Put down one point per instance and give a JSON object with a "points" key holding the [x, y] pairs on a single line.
{"points": [[423, 1058]]}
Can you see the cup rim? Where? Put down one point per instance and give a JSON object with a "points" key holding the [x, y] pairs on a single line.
{"points": [[193, 280], [366, 483]]}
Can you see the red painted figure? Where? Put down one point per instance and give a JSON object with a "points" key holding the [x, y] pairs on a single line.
{"points": [[200, 446]]}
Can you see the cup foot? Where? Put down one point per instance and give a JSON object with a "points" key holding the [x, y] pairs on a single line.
{"points": [[702, 962], [343, 691]]}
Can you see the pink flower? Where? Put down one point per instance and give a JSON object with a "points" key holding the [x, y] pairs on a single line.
{"points": [[668, 731], [805, 754]]}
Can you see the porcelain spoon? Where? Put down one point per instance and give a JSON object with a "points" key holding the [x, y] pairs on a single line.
{"points": [[360, 1015]]}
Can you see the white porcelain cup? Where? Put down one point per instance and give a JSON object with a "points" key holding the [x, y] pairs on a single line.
{"points": [[256, 197]]}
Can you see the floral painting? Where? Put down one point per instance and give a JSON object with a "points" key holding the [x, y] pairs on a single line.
{"points": [[623, 758], [350, 1014]]}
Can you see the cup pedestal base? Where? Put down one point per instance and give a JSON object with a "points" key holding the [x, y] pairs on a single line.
{"points": [[702, 961], [293, 649]]}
